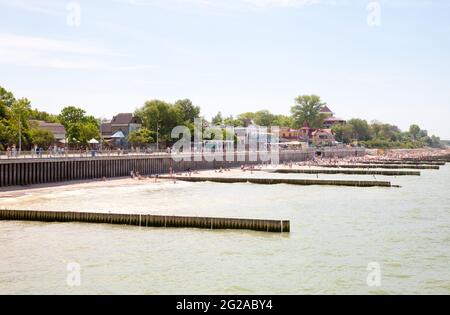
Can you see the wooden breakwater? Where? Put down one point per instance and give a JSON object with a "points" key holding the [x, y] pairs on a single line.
{"points": [[346, 172], [445, 160], [402, 163], [276, 181], [21, 172], [145, 220], [382, 166]]}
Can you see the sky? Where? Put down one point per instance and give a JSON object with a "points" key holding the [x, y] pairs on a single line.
{"points": [[386, 60]]}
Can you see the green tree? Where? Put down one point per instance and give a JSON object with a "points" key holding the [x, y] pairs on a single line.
{"points": [[264, 118], [414, 130], [283, 121], [89, 130], [42, 138], [361, 129], [80, 128], [217, 120], [246, 118], [43, 116], [18, 121], [187, 111], [344, 133], [6, 101], [307, 109], [71, 115], [231, 121], [140, 137], [6, 135], [160, 117], [436, 142]]}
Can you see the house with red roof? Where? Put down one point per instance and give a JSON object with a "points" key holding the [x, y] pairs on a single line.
{"points": [[330, 119], [326, 111]]}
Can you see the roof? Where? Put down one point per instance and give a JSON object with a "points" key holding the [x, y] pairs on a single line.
{"points": [[326, 110], [334, 119], [54, 128], [119, 134], [106, 128], [124, 119], [328, 131]]}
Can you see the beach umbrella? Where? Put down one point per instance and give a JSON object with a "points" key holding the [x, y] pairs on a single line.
{"points": [[93, 141]]}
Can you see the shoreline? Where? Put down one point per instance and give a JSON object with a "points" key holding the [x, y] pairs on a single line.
{"points": [[317, 163]]}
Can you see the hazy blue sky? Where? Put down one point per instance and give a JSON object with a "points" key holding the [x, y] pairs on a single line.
{"points": [[232, 55]]}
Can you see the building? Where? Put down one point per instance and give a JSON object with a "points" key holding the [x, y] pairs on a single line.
{"points": [[258, 135], [330, 120], [289, 134], [326, 111], [305, 133], [58, 130], [323, 137], [118, 129]]}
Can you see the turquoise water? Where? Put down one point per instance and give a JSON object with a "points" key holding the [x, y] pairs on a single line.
{"points": [[336, 233]]}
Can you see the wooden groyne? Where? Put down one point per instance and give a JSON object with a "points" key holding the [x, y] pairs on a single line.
{"points": [[288, 181], [444, 158], [346, 172], [22, 172], [382, 166], [402, 163], [144, 220]]}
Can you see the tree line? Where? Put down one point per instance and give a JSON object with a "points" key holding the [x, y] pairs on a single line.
{"points": [[17, 124], [159, 118]]}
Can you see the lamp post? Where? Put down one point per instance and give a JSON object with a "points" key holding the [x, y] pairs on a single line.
{"points": [[20, 136], [157, 134]]}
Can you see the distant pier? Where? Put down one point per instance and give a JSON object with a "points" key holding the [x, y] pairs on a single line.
{"points": [[144, 220]]}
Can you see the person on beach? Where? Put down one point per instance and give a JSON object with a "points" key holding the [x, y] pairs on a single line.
{"points": [[132, 174]]}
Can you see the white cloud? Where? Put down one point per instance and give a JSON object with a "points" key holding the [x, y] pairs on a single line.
{"points": [[48, 7], [43, 52], [224, 4], [49, 45]]}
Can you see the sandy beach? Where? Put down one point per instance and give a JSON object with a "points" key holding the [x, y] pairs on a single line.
{"points": [[23, 191]]}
